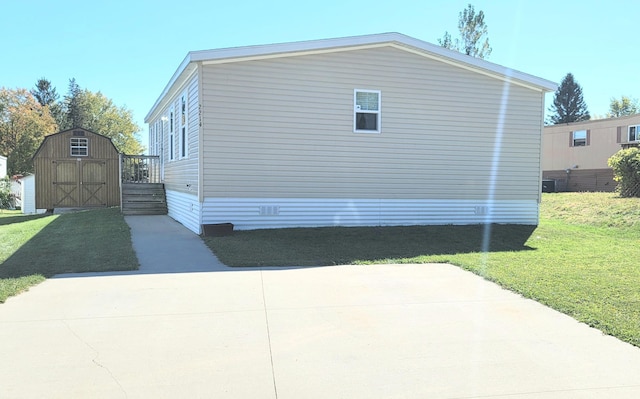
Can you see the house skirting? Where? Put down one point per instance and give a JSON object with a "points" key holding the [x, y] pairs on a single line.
{"points": [[259, 213], [582, 179], [185, 209]]}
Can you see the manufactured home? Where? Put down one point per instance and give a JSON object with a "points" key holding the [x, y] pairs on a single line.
{"points": [[575, 155], [369, 130]]}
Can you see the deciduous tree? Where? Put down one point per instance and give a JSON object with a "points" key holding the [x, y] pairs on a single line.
{"points": [[102, 116], [23, 124], [474, 36], [94, 111], [568, 104], [623, 107]]}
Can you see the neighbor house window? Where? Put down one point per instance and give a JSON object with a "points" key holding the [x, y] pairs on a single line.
{"points": [[579, 138], [171, 135], [634, 133], [183, 126], [79, 147], [366, 111]]}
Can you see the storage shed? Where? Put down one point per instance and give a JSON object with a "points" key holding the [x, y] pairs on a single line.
{"points": [[77, 168]]}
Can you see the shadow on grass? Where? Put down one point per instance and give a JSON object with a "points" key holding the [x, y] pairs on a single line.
{"points": [[20, 218], [347, 245], [87, 241]]}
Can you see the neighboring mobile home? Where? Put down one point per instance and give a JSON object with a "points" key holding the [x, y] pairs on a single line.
{"points": [[370, 130], [574, 155]]}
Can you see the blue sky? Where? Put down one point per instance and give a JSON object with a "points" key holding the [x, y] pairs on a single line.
{"points": [[128, 50]]}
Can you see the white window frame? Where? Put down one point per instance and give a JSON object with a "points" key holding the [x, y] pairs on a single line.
{"points": [[357, 110], [151, 137], [636, 133], [79, 146], [156, 138], [579, 141], [183, 133], [172, 127]]}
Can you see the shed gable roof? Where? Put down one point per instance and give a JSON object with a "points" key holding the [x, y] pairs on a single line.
{"points": [[396, 40]]}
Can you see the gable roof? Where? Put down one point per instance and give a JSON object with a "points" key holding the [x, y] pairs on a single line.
{"points": [[396, 40]]}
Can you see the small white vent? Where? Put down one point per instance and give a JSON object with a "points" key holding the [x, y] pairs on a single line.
{"points": [[481, 210], [269, 210]]}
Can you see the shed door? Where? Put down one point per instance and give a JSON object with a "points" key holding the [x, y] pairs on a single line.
{"points": [[66, 183], [79, 183], [92, 183]]}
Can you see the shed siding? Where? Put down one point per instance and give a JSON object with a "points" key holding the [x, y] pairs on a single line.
{"points": [[253, 213], [283, 128]]}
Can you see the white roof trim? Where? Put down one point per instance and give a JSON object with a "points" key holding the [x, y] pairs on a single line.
{"points": [[236, 54]]}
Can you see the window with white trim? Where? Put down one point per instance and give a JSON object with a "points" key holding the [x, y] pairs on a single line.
{"points": [[366, 111], [156, 137], [634, 133], [171, 136], [150, 137], [579, 138], [79, 146], [183, 126]]}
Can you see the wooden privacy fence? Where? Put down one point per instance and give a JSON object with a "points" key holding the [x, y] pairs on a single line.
{"points": [[140, 168]]}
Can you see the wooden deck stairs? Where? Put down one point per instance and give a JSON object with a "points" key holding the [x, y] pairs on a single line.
{"points": [[143, 199], [142, 192]]}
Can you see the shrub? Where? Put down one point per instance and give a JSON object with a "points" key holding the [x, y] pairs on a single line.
{"points": [[5, 193], [626, 171]]}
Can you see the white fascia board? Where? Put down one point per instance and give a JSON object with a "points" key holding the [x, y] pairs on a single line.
{"points": [[398, 40], [181, 68], [476, 64]]}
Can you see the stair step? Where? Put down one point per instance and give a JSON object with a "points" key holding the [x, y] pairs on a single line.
{"points": [[143, 199]]}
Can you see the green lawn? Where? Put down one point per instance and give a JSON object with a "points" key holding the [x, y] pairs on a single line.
{"points": [[35, 247], [583, 258]]}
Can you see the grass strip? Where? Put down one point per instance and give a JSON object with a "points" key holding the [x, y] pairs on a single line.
{"points": [[36, 247]]}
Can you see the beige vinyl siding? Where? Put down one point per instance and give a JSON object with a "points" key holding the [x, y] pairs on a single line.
{"points": [[181, 175], [283, 128], [557, 154]]}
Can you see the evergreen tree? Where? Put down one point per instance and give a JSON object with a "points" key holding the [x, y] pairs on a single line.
{"points": [[568, 105], [472, 30], [47, 96], [45, 93], [72, 107]]}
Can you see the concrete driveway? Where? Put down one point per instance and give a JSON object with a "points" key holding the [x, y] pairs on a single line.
{"points": [[387, 331]]}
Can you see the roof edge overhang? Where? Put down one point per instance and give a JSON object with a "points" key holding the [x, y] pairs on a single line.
{"points": [[393, 39]]}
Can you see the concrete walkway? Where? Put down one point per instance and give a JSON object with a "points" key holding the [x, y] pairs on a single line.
{"points": [[185, 326]]}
